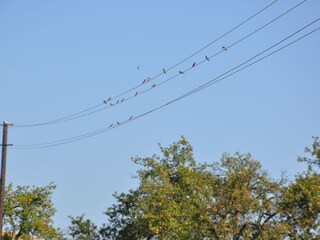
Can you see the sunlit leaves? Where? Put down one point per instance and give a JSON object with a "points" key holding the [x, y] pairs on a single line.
{"points": [[83, 229], [29, 212], [233, 198]]}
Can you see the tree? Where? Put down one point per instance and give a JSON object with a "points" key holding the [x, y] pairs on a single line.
{"points": [[301, 199], [164, 204], [314, 159], [245, 200], [29, 212], [180, 199], [83, 229]]}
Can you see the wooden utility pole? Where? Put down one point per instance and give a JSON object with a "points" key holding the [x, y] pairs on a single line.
{"points": [[3, 172]]}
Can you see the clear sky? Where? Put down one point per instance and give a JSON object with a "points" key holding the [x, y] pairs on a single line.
{"points": [[61, 57]]}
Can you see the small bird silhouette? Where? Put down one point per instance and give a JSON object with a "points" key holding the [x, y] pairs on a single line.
{"points": [[122, 99], [144, 81], [131, 118], [118, 123], [154, 85], [181, 72], [105, 102], [207, 58], [148, 79], [118, 101], [194, 64], [164, 71], [111, 125], [138, 67], [136, 94], [224, 48]]}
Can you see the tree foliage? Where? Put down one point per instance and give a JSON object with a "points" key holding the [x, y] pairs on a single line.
{"points": [[29, 212], [83, 229], [301, 199], [233, 198], [314, 159]]}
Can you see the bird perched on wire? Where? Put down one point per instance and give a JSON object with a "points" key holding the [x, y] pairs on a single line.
{"points": [[207, 58], [130, 118], [224, 48], [193, 65], [122, 99], [105, 101], [164, 71], [154, 85], [111, 125], [181, 72], [118, 123], [136, 94]]}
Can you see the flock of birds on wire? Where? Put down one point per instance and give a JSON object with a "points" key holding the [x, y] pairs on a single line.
{"points": [[146, 80], [113, 101]]}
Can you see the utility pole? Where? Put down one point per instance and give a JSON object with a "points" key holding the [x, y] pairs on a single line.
{"points": [[3, 171]]}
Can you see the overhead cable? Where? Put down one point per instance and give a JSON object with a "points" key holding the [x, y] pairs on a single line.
{"points": [[221, 77], [90, 110]]}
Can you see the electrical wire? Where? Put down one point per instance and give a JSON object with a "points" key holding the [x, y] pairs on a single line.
{"points": [[86, 112], [221, 77], [195, 65]]}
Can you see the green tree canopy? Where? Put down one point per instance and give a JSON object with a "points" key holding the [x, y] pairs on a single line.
{"points": [[29, 212], [301, 199], [83, 229], [177, 198], [231, 199]]}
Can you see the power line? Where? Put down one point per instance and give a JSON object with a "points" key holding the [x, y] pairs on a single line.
{"points": [[194, 65], [86, 112], [250, 64], [203, 48], [221, 77]]}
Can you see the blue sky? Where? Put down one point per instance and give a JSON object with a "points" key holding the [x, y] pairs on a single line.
{"points": [[60, 57]]}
